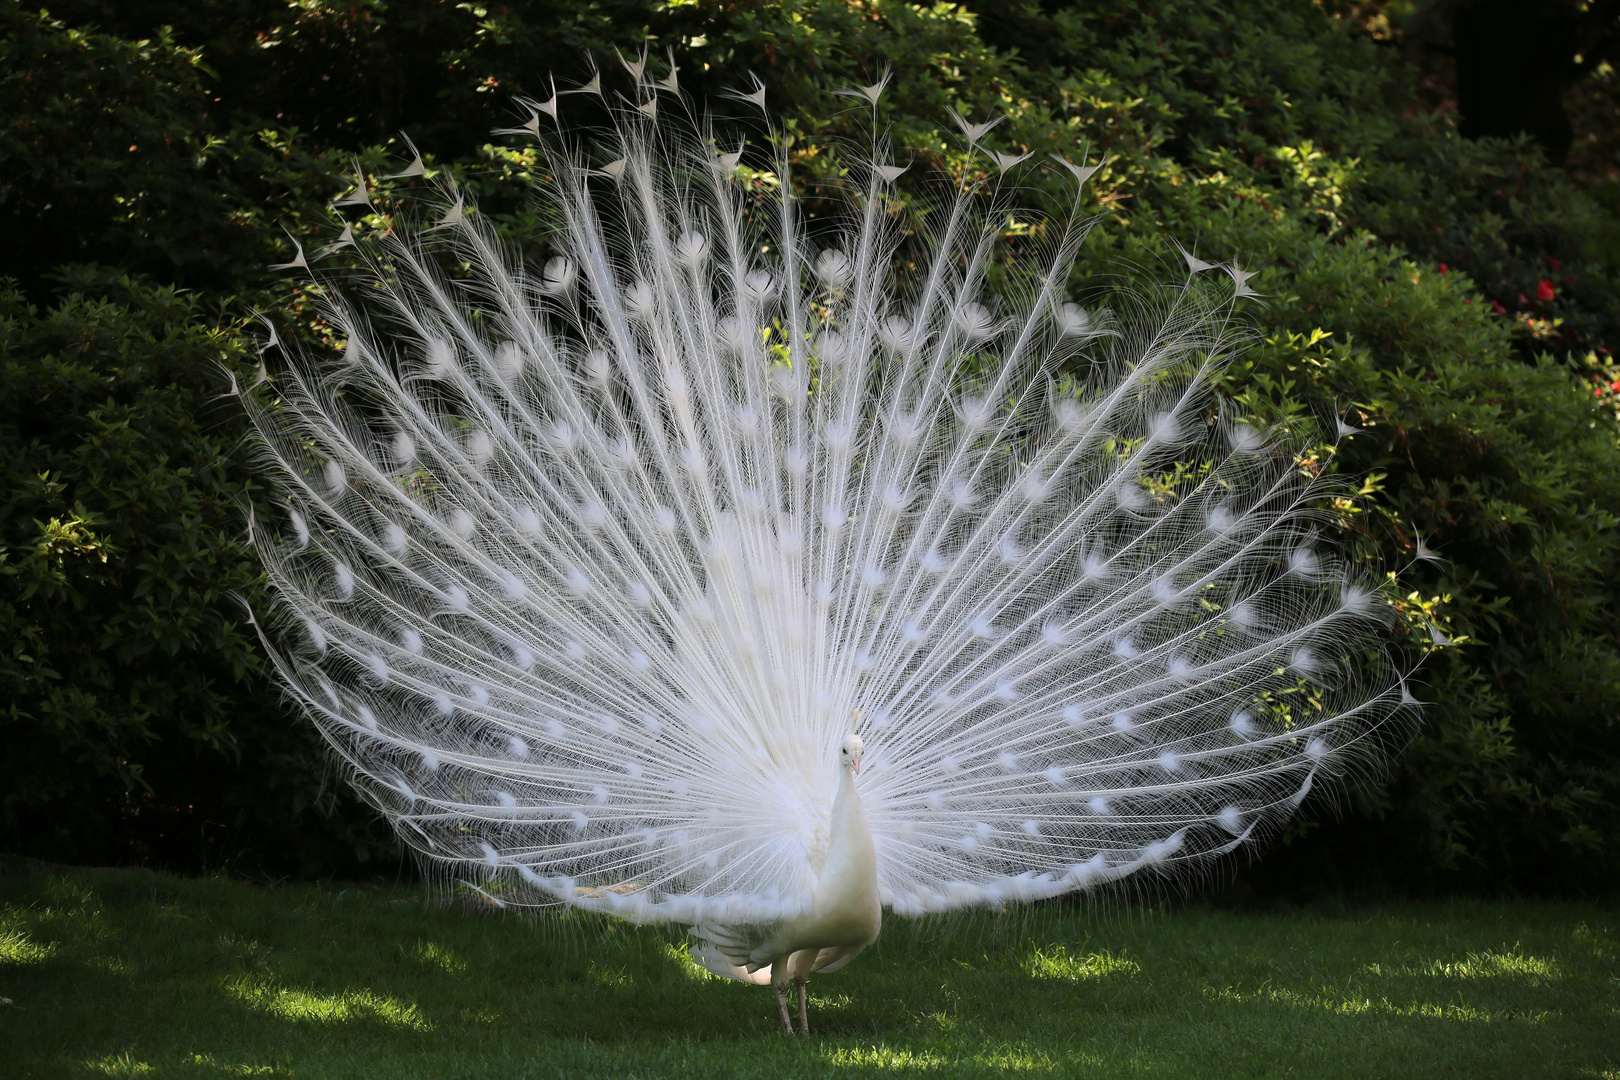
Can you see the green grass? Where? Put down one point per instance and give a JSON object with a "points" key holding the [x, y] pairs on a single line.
{"points": [[134, 974]]}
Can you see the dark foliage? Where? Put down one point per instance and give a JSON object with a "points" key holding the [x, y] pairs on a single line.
{"points": [[1516, 60], [138, 721], [1456, 299]]}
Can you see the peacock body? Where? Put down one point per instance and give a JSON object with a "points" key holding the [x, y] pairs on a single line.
{"points": [[594, 566]]}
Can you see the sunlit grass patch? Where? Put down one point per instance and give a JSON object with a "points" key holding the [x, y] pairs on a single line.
{"points": [[348, 1006], [1599, 939], [1059, 963], [1495, 965], [886, 1057], [680, 954], [1329, 1001], [223, 1068], [121, 1064], [603, 975], [1013, 1059], [440, 957], [16, 947], [484, 1016], [113, 964]]}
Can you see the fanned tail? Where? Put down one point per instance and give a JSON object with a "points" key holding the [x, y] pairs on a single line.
{"points": [[589, 564]]}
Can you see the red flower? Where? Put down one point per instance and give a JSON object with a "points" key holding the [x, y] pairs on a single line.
{"points": [[1496, 305], [1444, 269], [1544, 291]]}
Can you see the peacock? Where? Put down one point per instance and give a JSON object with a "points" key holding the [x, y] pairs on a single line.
{"points": [[762, 571]]}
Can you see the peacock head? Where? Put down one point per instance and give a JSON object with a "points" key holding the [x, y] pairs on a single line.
{"points": [[850, 753]]}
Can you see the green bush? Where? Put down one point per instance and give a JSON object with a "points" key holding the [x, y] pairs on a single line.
{"points": [[1407, 277], [138, 719]]}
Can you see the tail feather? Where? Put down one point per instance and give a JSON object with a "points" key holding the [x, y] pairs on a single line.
{"points": [[836, 958], [711, 957]]}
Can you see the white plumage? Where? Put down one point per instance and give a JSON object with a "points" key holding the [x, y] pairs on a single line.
{"points": [[841, 918], [596, 564]]}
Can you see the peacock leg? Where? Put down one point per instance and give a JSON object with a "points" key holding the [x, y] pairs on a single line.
{"points": [[781, 1003], [804, 1012]]}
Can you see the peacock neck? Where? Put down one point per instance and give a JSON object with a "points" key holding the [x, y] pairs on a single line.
{"points": [[849, 846], [846, 799]]}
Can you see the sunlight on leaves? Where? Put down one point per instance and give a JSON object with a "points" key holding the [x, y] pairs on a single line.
{"points": [[341, 1008]]}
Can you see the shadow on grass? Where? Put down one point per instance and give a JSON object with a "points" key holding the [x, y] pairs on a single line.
{"points": [[136, 974]]}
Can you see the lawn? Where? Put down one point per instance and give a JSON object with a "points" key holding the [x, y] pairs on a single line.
{"points": [[139, 974]]}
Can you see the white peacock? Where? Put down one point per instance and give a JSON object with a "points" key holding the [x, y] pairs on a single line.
{"points": [[715, 572]]}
